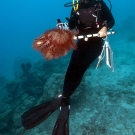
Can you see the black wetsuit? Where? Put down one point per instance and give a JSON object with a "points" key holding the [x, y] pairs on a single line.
{"points": [[86, 53]]}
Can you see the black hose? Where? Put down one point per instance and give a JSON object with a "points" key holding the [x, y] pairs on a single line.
{"points": [[110, 5], [69, 4]]}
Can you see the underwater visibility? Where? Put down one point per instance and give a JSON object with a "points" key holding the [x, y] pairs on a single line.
{"points": [[67, 67]]}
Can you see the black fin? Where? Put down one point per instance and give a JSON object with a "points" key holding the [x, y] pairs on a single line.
{"points": [[62, 125], [39, 113]]}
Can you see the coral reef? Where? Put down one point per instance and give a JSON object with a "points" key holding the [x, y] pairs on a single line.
{"points": [[26, 68], [22, 93]]}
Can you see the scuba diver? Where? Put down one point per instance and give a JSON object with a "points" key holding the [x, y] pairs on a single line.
{"points": [[87, 17]]}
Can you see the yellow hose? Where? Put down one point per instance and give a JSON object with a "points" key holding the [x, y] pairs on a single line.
{"points": [[76, 5]]}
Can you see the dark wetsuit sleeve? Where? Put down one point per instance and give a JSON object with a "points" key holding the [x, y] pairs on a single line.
{"points": [[72, 20], [107, 15]]}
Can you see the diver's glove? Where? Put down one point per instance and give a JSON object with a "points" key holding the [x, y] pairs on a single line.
{"points": [[103, 32]]}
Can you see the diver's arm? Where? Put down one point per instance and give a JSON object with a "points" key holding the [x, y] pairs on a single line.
{"points": [[107, 15], [72, 21]]}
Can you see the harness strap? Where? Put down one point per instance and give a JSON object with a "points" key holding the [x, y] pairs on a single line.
{"points": [[98, 8]]}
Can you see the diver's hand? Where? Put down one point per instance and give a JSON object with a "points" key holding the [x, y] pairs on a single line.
{"points": [[103, 32]]}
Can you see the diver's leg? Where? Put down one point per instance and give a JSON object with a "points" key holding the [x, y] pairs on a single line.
{"points": [[73, 78], [81, 59]]}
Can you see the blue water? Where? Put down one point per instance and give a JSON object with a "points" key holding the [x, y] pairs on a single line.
{"points": [[23, 21]]}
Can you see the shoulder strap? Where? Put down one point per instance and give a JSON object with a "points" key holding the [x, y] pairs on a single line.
{"points": [[98, 9]]}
